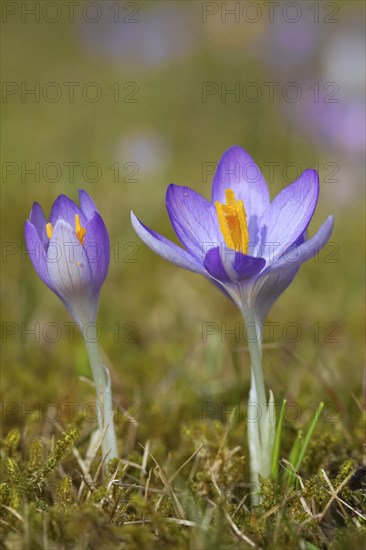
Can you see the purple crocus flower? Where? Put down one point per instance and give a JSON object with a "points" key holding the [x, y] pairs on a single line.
{"points": [[70, 253], [249, 247]]}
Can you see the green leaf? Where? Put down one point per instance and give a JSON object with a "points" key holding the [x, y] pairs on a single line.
{"points": [[307, 437], [295, 451], [277, 443], [311, 546], [301, 444]]}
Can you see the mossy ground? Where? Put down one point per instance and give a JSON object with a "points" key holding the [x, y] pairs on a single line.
{"points": [[56, 493]]}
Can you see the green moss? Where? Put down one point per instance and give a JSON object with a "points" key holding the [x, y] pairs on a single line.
{"points": [[64, 492], [61, 450], [35, 456], [11, 441], [120, 508]]}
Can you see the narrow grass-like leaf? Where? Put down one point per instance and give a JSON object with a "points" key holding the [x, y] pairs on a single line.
{"points": [[295, 451], [277, 443], [307, 437]]}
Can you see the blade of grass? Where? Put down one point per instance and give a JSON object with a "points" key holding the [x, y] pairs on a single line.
{"points": [[311, 546], [295, 451], [277, 443], [307, 437]]}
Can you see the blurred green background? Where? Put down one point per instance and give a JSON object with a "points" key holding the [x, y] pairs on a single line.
{"points": [[139, 119]]}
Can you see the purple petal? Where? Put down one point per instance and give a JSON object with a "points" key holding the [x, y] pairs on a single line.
{"points": [[273, 287], [97, 249], [229, 266], [38, 219], [65, 209], [87, 204], [37, 254], [300, 254], [215, 266], [194, 220], [268, 288], [238, 171], [288, 216], [165, 248], [247, 267], [70, 273]]}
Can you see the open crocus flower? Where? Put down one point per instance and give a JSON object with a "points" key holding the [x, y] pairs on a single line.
{"points": [[70, 253], [249, 247]]}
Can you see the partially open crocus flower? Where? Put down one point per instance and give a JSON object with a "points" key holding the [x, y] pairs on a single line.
{"points": [[70, 252], [251, 249]]}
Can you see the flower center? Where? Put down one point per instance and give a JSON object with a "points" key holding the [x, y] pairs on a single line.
{"points": [[79, 230], [233, 222]]}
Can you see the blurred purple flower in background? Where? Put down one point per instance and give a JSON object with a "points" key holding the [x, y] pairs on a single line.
{"points": [[326, 64], [335, 126], [162, 34], [285, 46], [343, 60], [335, 116], [147, 151], [328, 67]]}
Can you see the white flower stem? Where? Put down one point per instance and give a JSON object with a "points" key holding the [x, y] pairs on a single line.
{"points": [[261, 427], [255, 350], [104, 399]]}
